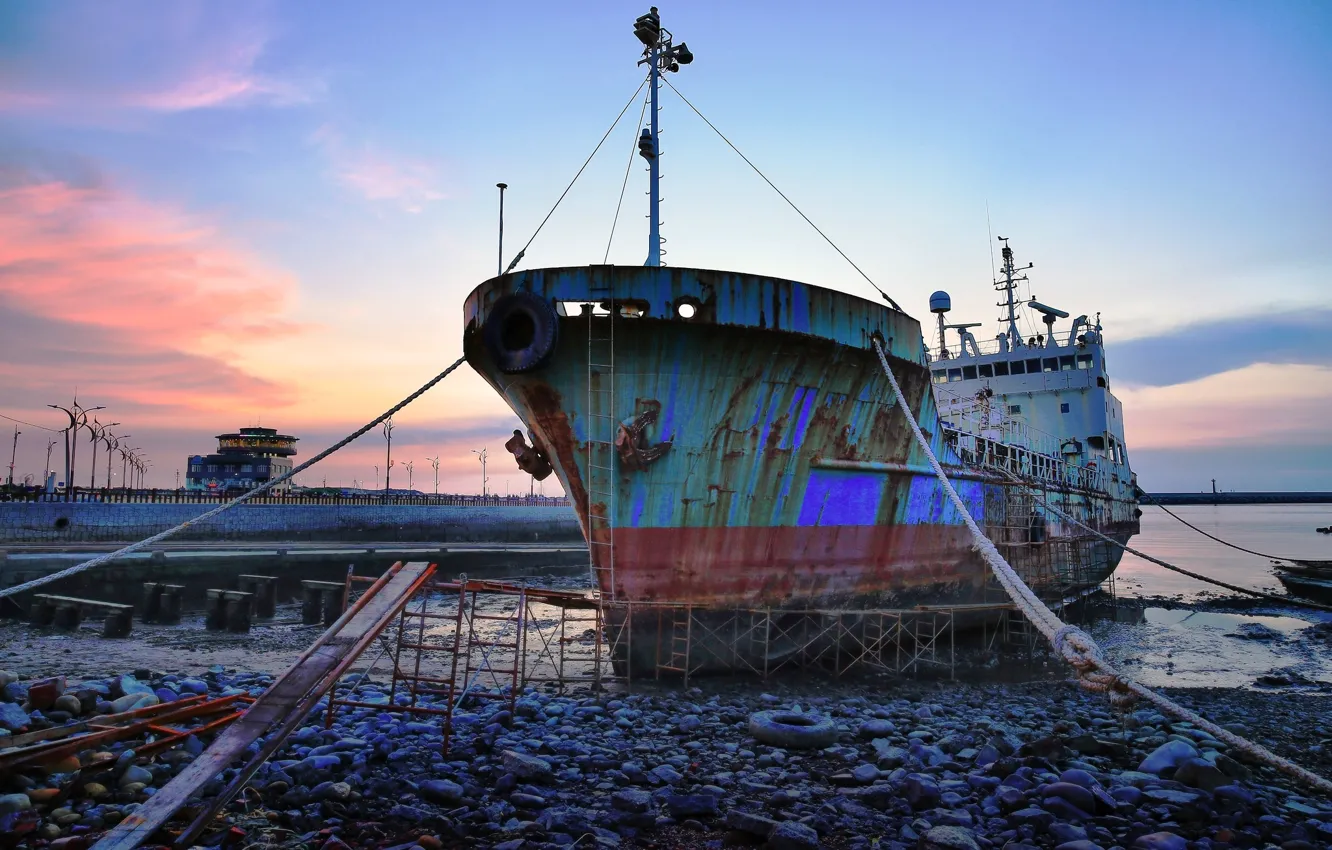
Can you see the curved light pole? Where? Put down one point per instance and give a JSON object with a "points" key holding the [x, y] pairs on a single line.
{"points": [[388, 460], [409, 465], [112, 443], [78, 418], [482, 455], [97, 430], [434, 462]]}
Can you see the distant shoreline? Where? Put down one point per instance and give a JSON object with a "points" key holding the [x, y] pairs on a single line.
{"points": [[1259, 498]]}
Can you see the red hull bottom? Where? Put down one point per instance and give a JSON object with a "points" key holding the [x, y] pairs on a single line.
{"points": [[797, 567]]}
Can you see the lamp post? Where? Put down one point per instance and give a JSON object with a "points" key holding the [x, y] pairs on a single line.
{"points": [[434, 462], [112, 443], [482, 455], [96, 431], [409, 465], [388, 460], [13, 455], [50, 444], [78, 418]]}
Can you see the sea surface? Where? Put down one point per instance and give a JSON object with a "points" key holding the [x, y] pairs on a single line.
{"points": [[1198, 644]]}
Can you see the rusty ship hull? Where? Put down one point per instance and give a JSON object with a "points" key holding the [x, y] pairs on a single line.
{"points": [[729, 441]]}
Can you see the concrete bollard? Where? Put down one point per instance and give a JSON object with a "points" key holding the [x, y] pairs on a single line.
{"points": [[321, 601], [229, 610], [264, 589]]}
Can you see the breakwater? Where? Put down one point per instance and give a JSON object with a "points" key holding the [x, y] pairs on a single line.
{"points": [[1235, 498], [60, 523]]}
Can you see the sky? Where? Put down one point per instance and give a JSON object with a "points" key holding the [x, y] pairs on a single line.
{"points": [[221, 215]]}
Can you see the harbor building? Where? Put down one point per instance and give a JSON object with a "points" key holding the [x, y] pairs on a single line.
{"points": [[244, 460]]}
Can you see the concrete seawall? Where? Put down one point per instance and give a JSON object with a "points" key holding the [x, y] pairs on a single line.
{"points": [[58, 523]]}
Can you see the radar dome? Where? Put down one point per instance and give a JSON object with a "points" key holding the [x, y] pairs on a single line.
{"points": [[940, 302]]}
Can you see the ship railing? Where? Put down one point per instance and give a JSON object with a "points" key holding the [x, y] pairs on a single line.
{"points": [[955, 350], [986, 418], [1023, 461]]}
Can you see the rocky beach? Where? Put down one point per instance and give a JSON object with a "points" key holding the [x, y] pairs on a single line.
{"points": [[872, 761]]}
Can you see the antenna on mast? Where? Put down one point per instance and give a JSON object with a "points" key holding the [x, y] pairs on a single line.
{"points": [[1008, 286], [661, 56]]}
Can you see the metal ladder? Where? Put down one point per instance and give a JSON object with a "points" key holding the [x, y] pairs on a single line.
{"points": [[602, 424]]}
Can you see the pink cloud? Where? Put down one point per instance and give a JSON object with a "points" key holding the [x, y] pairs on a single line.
{"points": [[378, 176], [144, 302]]}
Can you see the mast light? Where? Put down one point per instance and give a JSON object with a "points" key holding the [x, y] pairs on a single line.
{"points": [[648, 28]]}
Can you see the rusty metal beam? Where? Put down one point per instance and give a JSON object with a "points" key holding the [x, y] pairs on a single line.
{"points": [[287, 701]]}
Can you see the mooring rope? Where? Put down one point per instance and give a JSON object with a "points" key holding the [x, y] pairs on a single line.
{"points": [[148, 541], [1150, 500], [1284, 600], [1075, 646]]}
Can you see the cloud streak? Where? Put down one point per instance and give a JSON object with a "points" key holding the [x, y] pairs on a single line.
{"points": [[182, 63], [1196, 351], [376, 175], [99, 287]]}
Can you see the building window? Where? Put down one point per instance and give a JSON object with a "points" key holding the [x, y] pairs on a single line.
{"points": [[940, 376], [985, 370], [969, 373], [247, 468], [1034, 366], [1000, 369], [1063, 407], [1052, 364], [212, 467], [196, 467], [1066, 363], [954, 375], [1019, 368], [1084, 361], [1014, 409]]}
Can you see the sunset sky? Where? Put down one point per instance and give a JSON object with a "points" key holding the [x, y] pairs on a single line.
{"points": [[216, 215]]}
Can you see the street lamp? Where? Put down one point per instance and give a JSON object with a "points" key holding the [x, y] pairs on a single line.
{"points": [[78, 418], [434, 462], [112, 443], [50, 444], [409, 465], [96, 431], [388, 460], [482, 455], [13, 455]]}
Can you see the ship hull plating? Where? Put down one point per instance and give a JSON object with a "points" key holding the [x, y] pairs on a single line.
{"points": [[763, 461]]}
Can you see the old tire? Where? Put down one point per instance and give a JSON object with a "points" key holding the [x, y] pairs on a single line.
{"points": [[793, 731], [520, 332]]}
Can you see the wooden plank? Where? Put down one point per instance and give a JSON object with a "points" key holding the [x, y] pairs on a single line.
{"points": [[289, 698], [100, 721]]}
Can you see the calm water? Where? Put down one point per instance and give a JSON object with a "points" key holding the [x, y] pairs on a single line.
{"points": [[1275, 529], [1185, 647]]}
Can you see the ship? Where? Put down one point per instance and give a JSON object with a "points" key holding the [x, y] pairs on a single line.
{"points": [[730, 442]]}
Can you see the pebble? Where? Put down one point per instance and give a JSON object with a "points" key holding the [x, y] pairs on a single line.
{"points": [[965, 767]]}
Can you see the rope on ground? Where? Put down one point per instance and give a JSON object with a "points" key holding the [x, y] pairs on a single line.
{"points": [[1218, 539], [1075, 646], [244, 497], [1284, 600]]}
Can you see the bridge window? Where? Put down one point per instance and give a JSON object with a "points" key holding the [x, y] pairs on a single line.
{"points": [[1096, 442], [985, 370], [1000, 369], [1052, 364], [954, 375], [969, 372], [1084, 361], [1014, 409], [195, 467], [1066, 363], [1034, 366], [1019, 368], [940, 376]]}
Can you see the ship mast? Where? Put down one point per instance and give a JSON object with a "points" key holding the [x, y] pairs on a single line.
{"points": [[1009, 287], [660, 56]]}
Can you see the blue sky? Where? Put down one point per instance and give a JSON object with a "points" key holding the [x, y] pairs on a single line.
{"points": [[217, 214]]}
